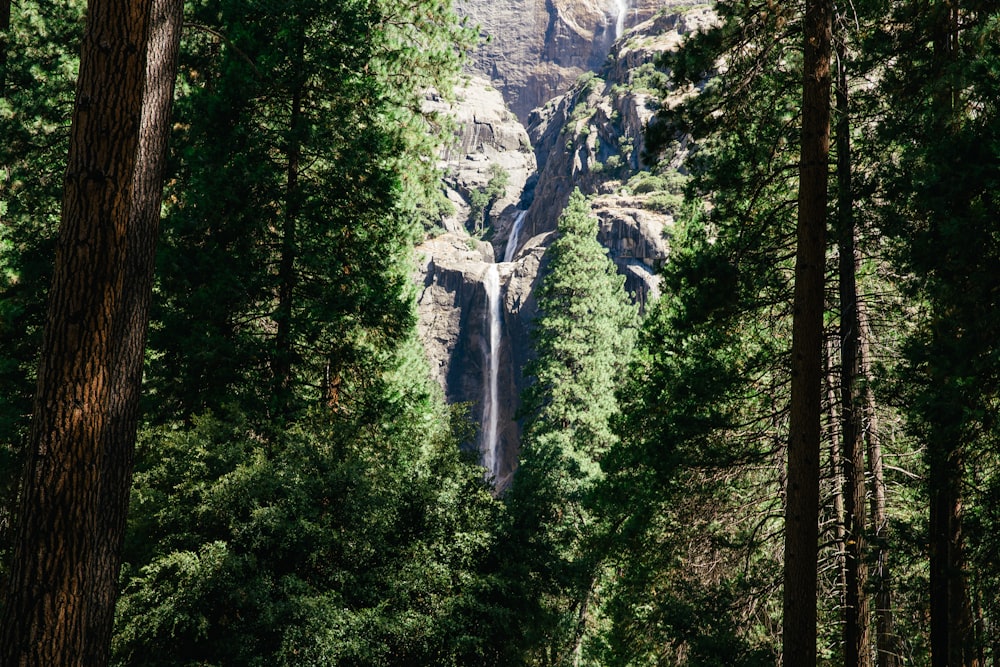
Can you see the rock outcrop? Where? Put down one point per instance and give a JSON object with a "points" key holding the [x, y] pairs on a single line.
{"points": [[490, 138], [454, 324], [592, 137]]}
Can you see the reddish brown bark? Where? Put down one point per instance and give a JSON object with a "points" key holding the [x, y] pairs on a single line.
{"points": [[886, 642], [802, 507], [64, 570]]}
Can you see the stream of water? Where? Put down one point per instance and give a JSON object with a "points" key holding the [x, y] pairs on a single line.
{"points": [[494, 317], [622, 7], [490, 440], [511, 250]]}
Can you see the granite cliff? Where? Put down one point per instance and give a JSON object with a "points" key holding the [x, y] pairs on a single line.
{"points": [[537, 48]]}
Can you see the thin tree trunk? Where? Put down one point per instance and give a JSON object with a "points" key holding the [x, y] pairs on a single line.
{"points": [[4, 44], [802, 508], [857, 625], [65, 564], [282, 362], [836, 454], [887, 644], [581, 626], [952, 631]]}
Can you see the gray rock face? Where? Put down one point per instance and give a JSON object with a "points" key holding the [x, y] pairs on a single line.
{"points": [[454, 325], [636, 239], [592, 137], [489, 137], [537, 48]]}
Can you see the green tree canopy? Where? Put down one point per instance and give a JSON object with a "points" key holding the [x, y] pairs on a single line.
{"points": [[582, 339]]}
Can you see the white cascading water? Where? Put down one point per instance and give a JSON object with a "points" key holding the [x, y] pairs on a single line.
{"points": [[511, 250], [622, 7], [488, 447]]}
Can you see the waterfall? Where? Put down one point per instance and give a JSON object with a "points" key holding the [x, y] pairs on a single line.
{"points": [[494, 320], [511, 250], [622, 7], [490, 438]]}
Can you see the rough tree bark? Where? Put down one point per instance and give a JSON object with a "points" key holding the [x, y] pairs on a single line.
{"points": [[802, 506], [952, 631], [834, 425], [886, 642], [857, 624], [71, 520]]}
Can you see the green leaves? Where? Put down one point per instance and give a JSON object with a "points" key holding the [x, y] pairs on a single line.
{"points": [[337, 543], [303, 161]]}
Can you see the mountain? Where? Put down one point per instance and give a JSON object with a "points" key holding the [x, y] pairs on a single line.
{"points": [[511, 170]]}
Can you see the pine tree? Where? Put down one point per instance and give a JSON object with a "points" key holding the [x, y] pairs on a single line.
{"points": [[4, 40], [42, 57], [301, 498], [853, 416], [802, 491], [287, 247], [582, 339], [697, 482], [355, 536]]}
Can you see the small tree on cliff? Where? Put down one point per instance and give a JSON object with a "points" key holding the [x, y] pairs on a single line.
{"points": [[582, 339]]}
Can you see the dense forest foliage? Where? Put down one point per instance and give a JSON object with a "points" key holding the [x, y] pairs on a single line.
{"points": [[299, 495]]}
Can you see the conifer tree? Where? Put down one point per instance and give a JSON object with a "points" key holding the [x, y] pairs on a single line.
{"points": [[582, 339], [696, 485], [853, 408], [802, 490], [287, 244], [356, 536], [43, 54], [4, 41], [327, 516]]}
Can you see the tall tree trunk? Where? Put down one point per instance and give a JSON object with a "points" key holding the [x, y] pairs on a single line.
{"points": [[71, 521], [886, 642], [4, 47], [834, 426], [857, 626], [952, 632], [282, 361], [8, 495], [802, 508]]}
